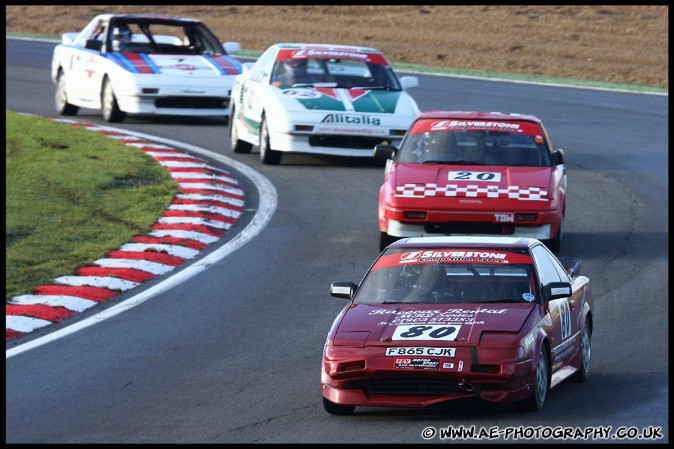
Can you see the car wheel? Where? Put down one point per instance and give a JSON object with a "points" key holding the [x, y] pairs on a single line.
{"points": [[267, 155], [111, 111], [585, 355], [337, 409], [62, 105], [238, 146], [540, 387], [385, 240]]}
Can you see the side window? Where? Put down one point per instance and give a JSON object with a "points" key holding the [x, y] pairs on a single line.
{"points": [[94, 40], [91, 32], [561, 271], [546, 267], [546, 148], [563, 274], [99, 33], [264, 62], [384, 76]]}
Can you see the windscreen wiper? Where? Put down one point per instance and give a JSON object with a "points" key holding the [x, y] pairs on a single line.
{"points": [[372, 87], [431, 161]]}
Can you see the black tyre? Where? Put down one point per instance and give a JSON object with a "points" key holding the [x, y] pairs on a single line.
{"points": [[584, 372], [267, 155], [541, 385], [238, 146], [61, 97], [337, 409], [111, 111]]}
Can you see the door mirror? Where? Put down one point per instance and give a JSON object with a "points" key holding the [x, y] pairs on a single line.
{"points": [[385, 151], [408, 82], [343, 289], [231, 47], [555, 290], [256, 75]]}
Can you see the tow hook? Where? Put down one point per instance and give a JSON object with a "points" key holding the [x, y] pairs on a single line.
{"points": [[466, 386]]}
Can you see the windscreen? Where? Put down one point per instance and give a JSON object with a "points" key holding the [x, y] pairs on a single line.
{"points": [[457, 276], [341, 68], [163, 37], [475, 142]]}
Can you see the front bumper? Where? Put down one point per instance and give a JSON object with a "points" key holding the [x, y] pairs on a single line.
{"points": [[174, 105], [379, 391], [353, 145], [192, 97], [363, 377]]}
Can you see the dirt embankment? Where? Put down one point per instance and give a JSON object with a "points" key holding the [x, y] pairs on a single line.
{"points": [[620, 44]]}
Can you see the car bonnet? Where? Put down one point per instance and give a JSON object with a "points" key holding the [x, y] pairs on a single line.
{"points": [[431, 180], [340, 103], [176, 65], [414, 324]]}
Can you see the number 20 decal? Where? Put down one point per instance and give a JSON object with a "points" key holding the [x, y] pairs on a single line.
{"points": [[426, 332], [484, 176]]}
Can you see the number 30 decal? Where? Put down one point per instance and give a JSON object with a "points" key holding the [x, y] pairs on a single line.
{"points": [[474, 176], [426, 332], [565, 318]]}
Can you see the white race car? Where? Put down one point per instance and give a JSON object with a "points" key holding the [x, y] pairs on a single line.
{"points": [[319, 99], [144, 64]]}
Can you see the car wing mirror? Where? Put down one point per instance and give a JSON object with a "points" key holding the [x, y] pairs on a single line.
{"points": [[256, 75], [408, 82], [246, 67], [556, 290], [231, 47], [68, 38], [93, 44], [385, 151], [558, 156], [343, 289]]}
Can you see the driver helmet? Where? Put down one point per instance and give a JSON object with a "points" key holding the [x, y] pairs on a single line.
{"points": [[121, 34], [295, 65], [410, 275]]}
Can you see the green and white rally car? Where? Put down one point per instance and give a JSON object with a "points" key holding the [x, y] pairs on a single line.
{"points": [[319, 99]]}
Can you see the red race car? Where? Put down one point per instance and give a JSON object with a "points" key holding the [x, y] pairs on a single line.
{"points": [[499, 319], [473, 173]]}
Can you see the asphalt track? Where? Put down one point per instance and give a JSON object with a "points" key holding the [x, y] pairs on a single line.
{"points": [[231, 354]]}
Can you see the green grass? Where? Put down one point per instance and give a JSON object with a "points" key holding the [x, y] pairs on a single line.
{"points": [[72, 196]]}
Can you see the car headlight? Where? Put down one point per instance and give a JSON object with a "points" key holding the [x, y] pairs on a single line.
{"points": [[499, 347], [489, 354], [351, 339]]}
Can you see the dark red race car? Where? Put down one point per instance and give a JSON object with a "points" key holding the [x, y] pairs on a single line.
{"points": [[501, 319], [473, 173]]}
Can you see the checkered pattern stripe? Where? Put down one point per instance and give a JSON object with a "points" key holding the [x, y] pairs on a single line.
{"points": [[472, 191]]}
